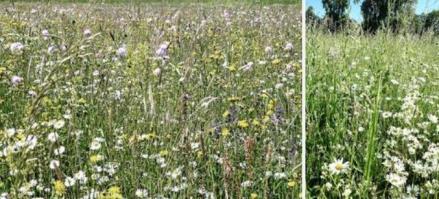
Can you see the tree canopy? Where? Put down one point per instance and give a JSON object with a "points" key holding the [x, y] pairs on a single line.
{"points": [[336, 13]]}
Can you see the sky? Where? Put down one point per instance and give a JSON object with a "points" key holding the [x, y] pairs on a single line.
{"points": [[422, 6]]}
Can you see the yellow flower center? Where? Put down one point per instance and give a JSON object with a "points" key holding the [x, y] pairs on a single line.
{"points": [[339, 166]]}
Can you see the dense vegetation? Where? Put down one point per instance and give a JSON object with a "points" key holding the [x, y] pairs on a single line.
{"points": [[149, 101], [373, 108]]}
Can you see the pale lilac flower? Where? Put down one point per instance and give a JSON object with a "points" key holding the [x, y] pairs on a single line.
{"points": [[226, 14], [45, 34], [289, 46], [268, 50], [162, 51], [51, 49], [63, 47], [122, 51], [87, 32], [32, 93], [31, 141], [247, 66], [16, 48], [15, 80]]}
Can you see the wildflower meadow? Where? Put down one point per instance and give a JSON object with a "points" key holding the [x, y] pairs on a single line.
{"points": [[373, 108], [194, 100]]}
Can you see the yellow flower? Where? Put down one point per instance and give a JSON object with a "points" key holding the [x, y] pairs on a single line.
{"points": [[150, 136], [276, 61], [164, 152], [226, 114], [60, 188], [96, 158], [233, 99], [232, 68], [2, 69], [291, 183], [266, 119], [199, 154], [271, 104], [112, 193], [114, 190], [21, 136], [253, 195], [255, 122], [270, 112], [225, 132], [243, 123], [264, 95], [210, 130], [82, 101]]}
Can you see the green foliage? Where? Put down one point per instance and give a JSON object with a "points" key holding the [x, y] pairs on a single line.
{"points": [[336, 13], [432, 22], [311, 18], [393, 14]]}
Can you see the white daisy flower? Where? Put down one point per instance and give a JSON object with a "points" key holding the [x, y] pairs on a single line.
{"points": [[58, 124], [69, 181], [396, 180], [53, 137], [338, 167]]}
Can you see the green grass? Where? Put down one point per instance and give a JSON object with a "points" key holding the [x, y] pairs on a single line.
{"points": [[354, 83], [196, 125]]}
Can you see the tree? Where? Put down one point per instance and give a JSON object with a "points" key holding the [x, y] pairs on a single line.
{"points": [[393, 14], [418, 24], [336, 13], [432, 22], [311, 18]]}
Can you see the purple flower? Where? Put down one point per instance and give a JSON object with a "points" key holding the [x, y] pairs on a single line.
{"points": [[122, 52], [289, 46], [162, 51], [16, 48], [45, 34], [87, 32], [15, 80]]}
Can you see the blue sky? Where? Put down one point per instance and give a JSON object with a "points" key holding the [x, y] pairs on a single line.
{"points": [[423, 6]]}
